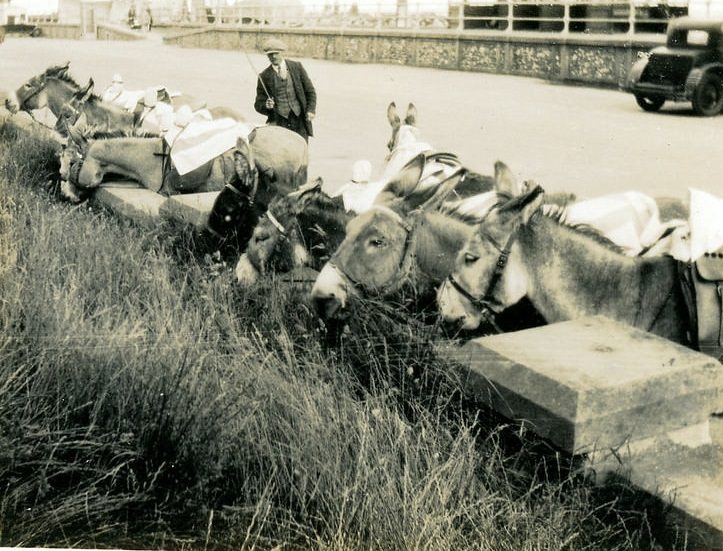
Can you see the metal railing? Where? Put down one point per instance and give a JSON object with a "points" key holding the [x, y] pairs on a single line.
{"points": [[549, 16], [546, 16]]}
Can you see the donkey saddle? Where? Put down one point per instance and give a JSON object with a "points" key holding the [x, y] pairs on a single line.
{"points": [[703, 288]]}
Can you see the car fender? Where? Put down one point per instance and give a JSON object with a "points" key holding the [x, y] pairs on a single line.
{"points": [[696, 75], [636, 71]]}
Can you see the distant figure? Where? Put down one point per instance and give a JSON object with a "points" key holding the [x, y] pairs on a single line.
{"points": [[114, 91], [284, 92], [149, 19], [132, 23], [359, 192]]}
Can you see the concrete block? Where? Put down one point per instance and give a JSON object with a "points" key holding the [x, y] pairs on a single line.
{"points": [[127, 199], [592, 383], [192, 208], [689, 479]]}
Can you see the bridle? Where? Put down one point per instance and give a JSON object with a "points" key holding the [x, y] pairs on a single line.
{"points": [[74, 170], [484, 303], [23, 100], [405, 263]]}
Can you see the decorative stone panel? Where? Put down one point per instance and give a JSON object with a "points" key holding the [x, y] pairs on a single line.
{"points": [[597, 61], [229, 40], [437, 53], [592, 64], [395, 50], [248, 41], [538, 60], [482, 56], [358, 48], [296, 44], [319, 46]]}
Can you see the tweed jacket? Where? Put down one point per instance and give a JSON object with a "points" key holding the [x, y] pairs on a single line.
{"points": [[303, 87]]}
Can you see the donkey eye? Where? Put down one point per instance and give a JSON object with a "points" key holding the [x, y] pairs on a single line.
{"points": [[377, 243], [470, 258]]}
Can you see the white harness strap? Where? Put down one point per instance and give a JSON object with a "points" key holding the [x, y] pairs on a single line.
{"points": [[275, 222]]}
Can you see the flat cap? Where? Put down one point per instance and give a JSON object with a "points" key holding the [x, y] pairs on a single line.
{"points": [[274, 46]]}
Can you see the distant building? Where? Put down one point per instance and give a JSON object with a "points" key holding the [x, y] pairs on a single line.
{"points": [[12, 15]]}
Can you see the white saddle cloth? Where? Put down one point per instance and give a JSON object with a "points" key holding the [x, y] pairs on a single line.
{"points": [[359, 197], [629, 219], [202, 140], [632, 221]]}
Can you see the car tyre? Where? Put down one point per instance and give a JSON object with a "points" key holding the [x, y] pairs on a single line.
{"points": [[650, 103], [708, 96]]}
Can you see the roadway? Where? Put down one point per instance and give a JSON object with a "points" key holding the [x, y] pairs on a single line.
{"points": [[567, 138]]}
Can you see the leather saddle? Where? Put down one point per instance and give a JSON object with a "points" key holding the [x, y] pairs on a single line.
{"points": [[703, 288]]}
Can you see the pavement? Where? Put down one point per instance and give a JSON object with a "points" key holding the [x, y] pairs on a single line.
{"points": [[567, 138]]}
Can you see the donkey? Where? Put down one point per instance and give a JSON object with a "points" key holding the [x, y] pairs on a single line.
{"points": [[403, 242], [566, 272], [299, 229]]}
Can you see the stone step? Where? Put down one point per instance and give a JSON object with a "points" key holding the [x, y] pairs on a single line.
{"points": [[191, 208], [144, 206], [592, 382], [130, 201], [674, 469], [636, 405]]}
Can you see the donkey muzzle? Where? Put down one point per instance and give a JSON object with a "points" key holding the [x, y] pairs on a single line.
{"points": [[329, 293]]}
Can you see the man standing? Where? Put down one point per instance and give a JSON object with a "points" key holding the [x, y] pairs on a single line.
{"points": [[284, 92]]}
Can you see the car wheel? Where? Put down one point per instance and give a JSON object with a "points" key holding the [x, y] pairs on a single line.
{"points": [[649, 103], [708, 96]]}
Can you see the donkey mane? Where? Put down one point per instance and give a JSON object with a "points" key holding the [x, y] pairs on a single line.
{"points": [[93, 98], [103, 134], [461, 211], [559, 214], [61, 73], [319, 200]]}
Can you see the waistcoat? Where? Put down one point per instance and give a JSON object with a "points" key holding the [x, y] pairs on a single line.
{"points": [[285, 99]]}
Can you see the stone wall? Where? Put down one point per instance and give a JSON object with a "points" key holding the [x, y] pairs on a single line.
{"points": [[595, 60], [111, 32], [56, 30]]}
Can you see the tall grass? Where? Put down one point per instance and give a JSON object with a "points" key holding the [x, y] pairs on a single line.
{"points": [[145, 401]]}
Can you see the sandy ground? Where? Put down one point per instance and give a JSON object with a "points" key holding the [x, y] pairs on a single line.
{"points": [[567, 138]]}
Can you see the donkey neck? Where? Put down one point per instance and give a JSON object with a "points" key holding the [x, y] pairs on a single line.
{"points": [[570, 275], [111, 116], [437, 240], [136, 158], [58, 93]]}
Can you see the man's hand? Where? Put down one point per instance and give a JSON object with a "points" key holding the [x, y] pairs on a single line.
{"points": [[270, 103], [310, 116]]}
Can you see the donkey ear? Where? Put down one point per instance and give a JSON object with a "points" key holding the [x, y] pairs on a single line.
{"points": [[393, 116], [443, 190], [244, 148], [84, 93], [535, 198], [411, 117], [506, 182], [523, 206], [406, 180]]}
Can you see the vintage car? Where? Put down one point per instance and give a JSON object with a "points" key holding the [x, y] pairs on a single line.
{"points": [[688, 68]]}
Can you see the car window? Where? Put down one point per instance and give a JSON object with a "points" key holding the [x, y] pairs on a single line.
{"points": [[697, 38], [692, 38]]}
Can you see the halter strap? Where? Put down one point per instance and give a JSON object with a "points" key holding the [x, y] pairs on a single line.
{"points": [[405, 263], [279, 226], [25, 98], [483, 303]]}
